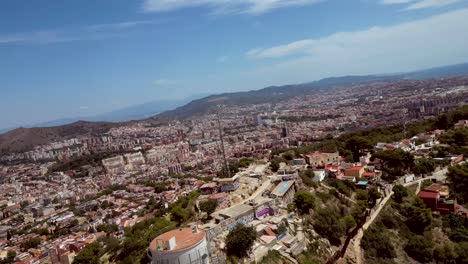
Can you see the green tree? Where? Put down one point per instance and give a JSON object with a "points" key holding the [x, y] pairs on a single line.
{"points": [[107, 228], [399, 192], [288, 155], [445, 254], [357, 145], [419, 216], [179, 214], [240, 240], [31, 243], [11, 255], [420, 249], [245, 162], [304, 201], [376, 243], [275, 163], [395, 162], [89, 255], [208, 206], [374, 193], [458, 178], [329, 223], [362, 195]]}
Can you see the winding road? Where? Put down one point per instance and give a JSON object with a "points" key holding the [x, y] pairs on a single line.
{"points": [[356, 242]]}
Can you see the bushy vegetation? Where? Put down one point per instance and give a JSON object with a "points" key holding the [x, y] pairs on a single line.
{"points": [[458, 177], [307, 177], [183, 210], [208, 206], [376, 243], [420, 248], [304, 202], [332, 222], [399, 192], [240, 240], [344, 187], [394, 162], [30, 243], [275, 163], [235, 166]]}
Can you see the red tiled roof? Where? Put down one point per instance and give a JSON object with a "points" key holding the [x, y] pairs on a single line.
{"points": [[355, 168], [428, 194]]}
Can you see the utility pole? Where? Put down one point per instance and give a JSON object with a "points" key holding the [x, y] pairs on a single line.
{"points": [[221, 138]]}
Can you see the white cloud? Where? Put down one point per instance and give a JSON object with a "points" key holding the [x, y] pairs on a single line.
{"points": [[97, 31], [421, 4], [225, 6], [431, 3], [433, 41], [163, 82]]}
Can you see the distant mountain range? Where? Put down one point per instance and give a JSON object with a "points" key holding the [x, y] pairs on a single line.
{"points": [[25, 138], [136, 112], [277, 93]]}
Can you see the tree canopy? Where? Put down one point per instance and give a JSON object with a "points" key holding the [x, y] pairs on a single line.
{"points": [[208, 206], [304, 201], [357, 145], [458, 178], [399, 192], [240, 240], [395, 162]]}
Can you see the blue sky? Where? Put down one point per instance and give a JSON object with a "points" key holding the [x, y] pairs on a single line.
{"points": [[78, 58]]}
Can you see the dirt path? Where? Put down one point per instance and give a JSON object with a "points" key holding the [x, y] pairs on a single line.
{"points": [[357, 239]]}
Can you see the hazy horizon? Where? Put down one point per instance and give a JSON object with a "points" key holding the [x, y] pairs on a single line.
{"points": [[70, 59]]}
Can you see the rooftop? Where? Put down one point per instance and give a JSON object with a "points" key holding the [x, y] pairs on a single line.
{"points": [[234, 211], [184, 238], [355, 168], [438, 188], [428, 194]]}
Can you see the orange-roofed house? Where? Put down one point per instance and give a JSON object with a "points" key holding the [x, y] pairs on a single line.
{"points": [[355, 171]]}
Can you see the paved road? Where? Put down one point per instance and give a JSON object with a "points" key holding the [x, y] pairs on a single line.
{"points": [[439, 175]]}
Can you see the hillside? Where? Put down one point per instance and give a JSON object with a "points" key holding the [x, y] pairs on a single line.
{"points": [[272, 94], [23, 139]]}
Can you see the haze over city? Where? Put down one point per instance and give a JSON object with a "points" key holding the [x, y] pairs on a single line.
{"points": [[70, 59]]}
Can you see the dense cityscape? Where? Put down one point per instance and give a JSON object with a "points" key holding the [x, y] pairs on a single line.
{"points": [[234, 132], [218, 170]]}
